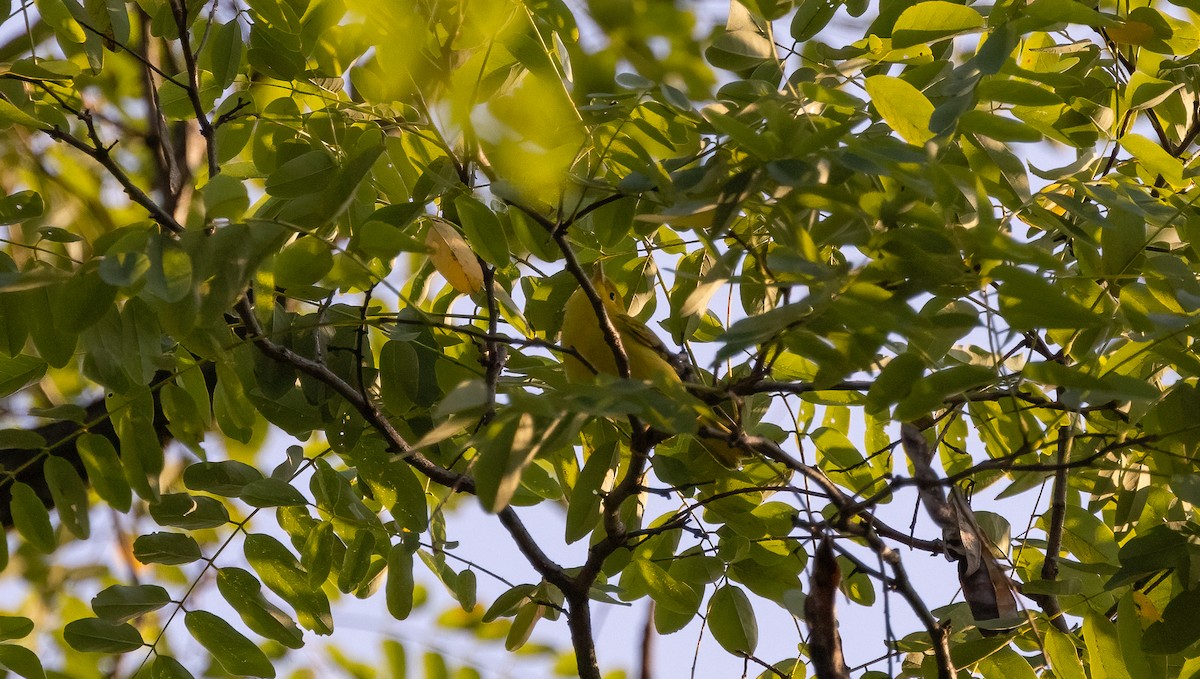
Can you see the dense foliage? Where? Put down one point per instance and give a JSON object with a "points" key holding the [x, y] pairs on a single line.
{"points": [[912, 249]]}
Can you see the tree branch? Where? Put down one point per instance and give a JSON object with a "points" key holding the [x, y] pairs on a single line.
{"points": [[180, 12], [541, 562], [100, 153], [1054, 534]]}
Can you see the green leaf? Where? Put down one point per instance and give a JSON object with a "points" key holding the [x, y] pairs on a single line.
{"points": [[224, 197], [1009, 91], [141, 453], [316, 555], [303, 262], [1106, 388], [508, 602], [14, 627], [740, 50], [233, 412], [1155, 159], [902, 106], [13, 115], [122, 603], [997, 127], [1179, 627], [1006, 664], [895, 381], [189, 512], [184, 420], [1130, 633], [928, 22], [104, 471], [334, 495], [175, 102], [31, 519], [70, 495], [271, 493], [170, 275], [123, 268], [466, 590], [1068, 11], [811, 16], [747, 136], [1103, 647], [356, 561], [1062, 654], [504, 448], [483, 230], [528, 615], [21, 439], [22, 661], [45, 69], [93, 635], [166, 667], [18, 372], [1029, 301], [931, 392], [224, 58], [667, 591], [731, 619], [399, 589], [303, 175], [25, 205], [166, 548], [837, 451], [226, 478], [235, 653], [1087, 537], [244, 593], [397, 487], [281, 573], [1144, 91], [583, 511]]}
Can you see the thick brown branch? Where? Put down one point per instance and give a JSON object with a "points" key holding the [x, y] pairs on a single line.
{"points": [[824, 641]]}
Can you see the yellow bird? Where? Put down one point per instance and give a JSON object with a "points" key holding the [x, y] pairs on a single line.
{"points": [[646, 353]]}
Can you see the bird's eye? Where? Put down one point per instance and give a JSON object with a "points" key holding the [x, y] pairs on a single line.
{"points": [[612, 296]]}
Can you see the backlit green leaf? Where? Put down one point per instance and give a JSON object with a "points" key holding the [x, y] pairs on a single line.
{"points": [[732, 621], [243, 592], [901, 106], [104, 471], [235, 653], [31, 518], [934, 20], [281, 572], [399, 589]]}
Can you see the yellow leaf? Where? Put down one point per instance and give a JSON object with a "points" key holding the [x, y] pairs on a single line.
{"points": [[453, 258], [1146, 610]]}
